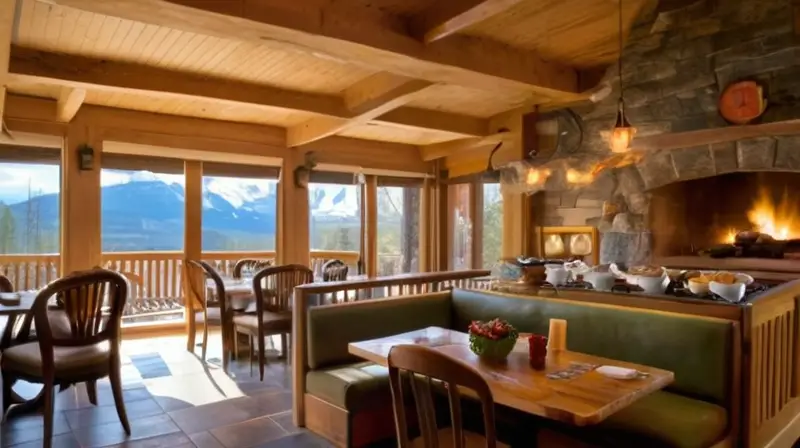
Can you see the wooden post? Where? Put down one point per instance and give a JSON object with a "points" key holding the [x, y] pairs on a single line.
{"points": [[426, 227], [192, 243], [371, 223], [293, 245], [81, 244], [476, 216]]}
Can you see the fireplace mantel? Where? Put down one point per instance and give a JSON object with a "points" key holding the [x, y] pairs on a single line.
{"points": [[677, 140]]}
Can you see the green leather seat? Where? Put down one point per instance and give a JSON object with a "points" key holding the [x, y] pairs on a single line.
{"points": [[351, 386], [666, 419]]}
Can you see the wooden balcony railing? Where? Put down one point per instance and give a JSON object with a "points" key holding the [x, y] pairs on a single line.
{"points": [[308, 295], [319, 257], [155, 283], [223, 262], [30, 271]]}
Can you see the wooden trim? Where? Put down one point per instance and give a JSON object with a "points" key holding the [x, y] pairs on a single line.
{"points": [[329, 421], [34, 66], [350, 33], [450, 17]]}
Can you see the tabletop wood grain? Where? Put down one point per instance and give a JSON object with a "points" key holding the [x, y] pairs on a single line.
{"points": [[586, 399]]}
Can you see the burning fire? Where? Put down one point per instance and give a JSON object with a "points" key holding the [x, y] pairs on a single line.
{"points": [[781, 222]]}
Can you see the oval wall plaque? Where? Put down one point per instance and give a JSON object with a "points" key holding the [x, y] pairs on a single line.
{"points": [[742, 102]]}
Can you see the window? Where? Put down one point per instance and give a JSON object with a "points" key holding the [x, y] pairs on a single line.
{"points": [[335, 216], [30, 182], [461, 226], [398, 229], [141, 210], [239, 212], [492, 224]]}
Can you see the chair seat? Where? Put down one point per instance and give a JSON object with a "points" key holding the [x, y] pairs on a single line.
{"points": [[276, 322], [667, 419], [70, 362], [445, 436], [214, 315]]}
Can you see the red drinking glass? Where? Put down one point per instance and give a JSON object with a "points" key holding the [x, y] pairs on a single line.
{"points": [[537, 350]]}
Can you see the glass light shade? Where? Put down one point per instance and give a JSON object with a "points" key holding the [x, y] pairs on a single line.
{"points": [[621, 138], [536, 176]]}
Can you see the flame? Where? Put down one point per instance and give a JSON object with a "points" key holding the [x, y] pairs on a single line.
{"points": [[536, 176], [781, 222], [577, 177]]}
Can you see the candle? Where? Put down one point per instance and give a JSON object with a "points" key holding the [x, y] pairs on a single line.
{"points": [[558, 335]]}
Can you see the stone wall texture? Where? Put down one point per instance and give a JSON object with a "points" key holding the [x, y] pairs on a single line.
{"points": [[675, 64]]}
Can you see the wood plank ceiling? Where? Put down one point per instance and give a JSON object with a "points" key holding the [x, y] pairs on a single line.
{"points": [[211, 72]]}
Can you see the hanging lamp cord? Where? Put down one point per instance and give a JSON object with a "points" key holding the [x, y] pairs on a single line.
{"points": [[619, 61]]}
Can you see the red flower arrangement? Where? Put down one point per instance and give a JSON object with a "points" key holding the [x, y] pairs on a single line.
{"points": [[493, 339]]}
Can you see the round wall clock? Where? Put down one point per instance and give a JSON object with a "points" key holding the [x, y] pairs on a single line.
{"points": [[742, 102]]}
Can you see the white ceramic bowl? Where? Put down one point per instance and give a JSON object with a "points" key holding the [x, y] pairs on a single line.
{"points": [[653, 285], [697, 288], [732, 293]]}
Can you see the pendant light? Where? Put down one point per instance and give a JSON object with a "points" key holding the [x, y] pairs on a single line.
{"points": [[623, 132]]}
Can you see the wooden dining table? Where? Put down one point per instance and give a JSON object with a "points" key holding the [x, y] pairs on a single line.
{"points": [[585, 399], [240, 291]]}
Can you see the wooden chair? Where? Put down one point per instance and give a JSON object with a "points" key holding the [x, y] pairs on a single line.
{"points": [[334, 271], [210, 312], [273, 290], [82, 346], [5, 328], [251, 264], [422, 366]]}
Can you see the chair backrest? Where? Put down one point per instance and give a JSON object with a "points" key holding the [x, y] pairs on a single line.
{"points": [[274, 286], [423, 365], [250, 264], [91, 304], [5, 284], [208, 273], [334, 271]]}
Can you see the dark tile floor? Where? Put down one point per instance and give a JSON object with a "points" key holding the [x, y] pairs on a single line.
{"points": [[173, 400]]}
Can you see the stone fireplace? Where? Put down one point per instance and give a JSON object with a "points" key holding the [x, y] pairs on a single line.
{"points": [[673, 200]]}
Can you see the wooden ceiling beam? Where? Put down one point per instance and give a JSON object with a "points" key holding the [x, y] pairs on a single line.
{"points": [[366, 100], [85, 73], [449, 17], [7, 12], [461, 146], [69, 101], [348, 32]]}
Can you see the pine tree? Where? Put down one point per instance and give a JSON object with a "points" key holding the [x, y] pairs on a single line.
{"points": [[7, 231]]}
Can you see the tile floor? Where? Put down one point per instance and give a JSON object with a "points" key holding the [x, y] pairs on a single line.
{"points": [[174, 400]]}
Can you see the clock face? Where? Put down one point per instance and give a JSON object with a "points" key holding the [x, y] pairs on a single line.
{"points": [[742, 102]]}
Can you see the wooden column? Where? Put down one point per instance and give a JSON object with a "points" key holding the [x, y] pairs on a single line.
{"points": [[293, 245], [371, 223], [426, 227], [476, 216], [192, 242], [81, 246]]}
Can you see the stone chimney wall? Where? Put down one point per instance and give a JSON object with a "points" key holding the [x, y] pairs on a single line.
{"points": [[674, 67]]}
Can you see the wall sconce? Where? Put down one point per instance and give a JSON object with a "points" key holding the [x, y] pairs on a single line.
{"points": [[85, 158], [536, 177]]}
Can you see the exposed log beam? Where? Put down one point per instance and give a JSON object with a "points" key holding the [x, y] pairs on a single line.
{"points": [[351, 33], [69, 101], [86, 73], [460, 146], [7, 11], [450, 17], [366, 100], [235, 139]]}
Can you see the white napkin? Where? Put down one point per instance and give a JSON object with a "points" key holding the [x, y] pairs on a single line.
{"points": [[620, 373]]}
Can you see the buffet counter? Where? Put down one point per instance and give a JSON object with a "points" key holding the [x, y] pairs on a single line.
{"points": [[768, 346]]}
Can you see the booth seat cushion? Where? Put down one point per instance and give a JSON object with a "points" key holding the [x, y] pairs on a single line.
{"points": [[666, 419], [697, 350], [352, 386], [332, 327]]}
